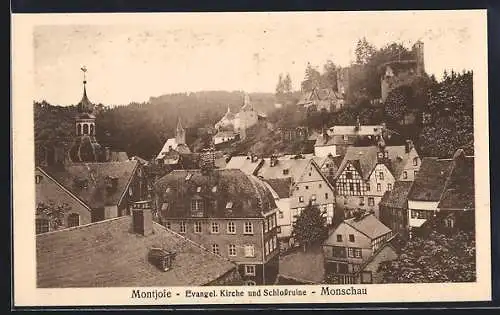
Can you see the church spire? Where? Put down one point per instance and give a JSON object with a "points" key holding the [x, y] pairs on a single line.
{"points": [[180, 133], [85, 106]]}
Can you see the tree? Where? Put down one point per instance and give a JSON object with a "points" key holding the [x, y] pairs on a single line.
{"points": [[310, 226], [311, 80], [364, 51], [396, 104], [287, 84], [280, 88], [434, 258], [329, 76]]}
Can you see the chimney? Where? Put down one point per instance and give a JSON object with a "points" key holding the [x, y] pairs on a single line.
{"points": [[207, 160], [408, 146], [274, 160], [358, 124], [107, 154], [142, 218]]}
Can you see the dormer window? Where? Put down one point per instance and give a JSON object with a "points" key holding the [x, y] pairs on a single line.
{"points": [[214, 189], [197, 208], [229, 205], [198, 189], [162, 259]]}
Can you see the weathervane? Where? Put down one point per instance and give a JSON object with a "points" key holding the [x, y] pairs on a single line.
{"points": [[84, 69]]}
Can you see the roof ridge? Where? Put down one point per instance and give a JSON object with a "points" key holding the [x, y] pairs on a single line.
{"points": [[82, 226]]}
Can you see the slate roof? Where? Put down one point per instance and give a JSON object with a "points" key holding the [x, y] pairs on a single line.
{"points": [[398, 196], [109, 254], [96, 194], [243, 163], [365, 160], [249, 196], [368, 225], [294, 166], [459, 189], [282, 186], [430, 180]]}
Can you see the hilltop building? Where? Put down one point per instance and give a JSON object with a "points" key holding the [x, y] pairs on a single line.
{"points": [[326, 99], [87, 183], [226, 211], [240, 121], [397, 73], [174, 147], [150, 255]]}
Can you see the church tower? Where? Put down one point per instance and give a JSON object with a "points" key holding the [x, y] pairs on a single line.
{"points": [[180, 133], [418, 50], [85, 147]]}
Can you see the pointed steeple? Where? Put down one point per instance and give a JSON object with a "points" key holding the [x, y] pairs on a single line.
{"points": [[180, 133], [85, 106]]}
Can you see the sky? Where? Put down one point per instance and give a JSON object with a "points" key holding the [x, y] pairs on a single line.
{"points": [[132, 59]]}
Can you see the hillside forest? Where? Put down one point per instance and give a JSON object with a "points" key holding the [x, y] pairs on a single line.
{"points": [[442, 111]]}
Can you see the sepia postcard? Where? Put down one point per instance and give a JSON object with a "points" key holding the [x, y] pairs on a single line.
{"points": [[250, 158]]}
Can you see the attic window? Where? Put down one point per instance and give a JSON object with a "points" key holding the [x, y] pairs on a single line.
{"points": [[229, 205], [188, 176], [161, 258], [214, 189]]}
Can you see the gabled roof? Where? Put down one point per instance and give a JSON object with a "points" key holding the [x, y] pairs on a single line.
{"points": [[171, 142], [119, 156], [293, 167], [282, 186], [249, 196], [430, 180], [362, 130], [398, 196], [243, 163], [369, 225], [365, 159], [109, 254], [96, 195], [459, 189]]}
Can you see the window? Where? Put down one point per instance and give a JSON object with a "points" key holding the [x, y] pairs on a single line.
{"points": [[326, 195], [215, 249], [38, 178], [285, 172], [301, 199], [345, 200], [42, 226], [405, 175], [367, 186], [357, 252], [313, 197], [348, 175], [351, 187], [346, 138], [389, 187], [196, 205], [379, 187], [231, 228], [371, 201], [351, 237], [338, 252], [319, 186], [350, 252], [168, 225], [381, 175], [250, 282], [248, 228], [361, 201], [309, 173], [281, 215], [215, 227], [266, 246], [339, 237], [358, 187], [415, 173], [232, 250], [249, 251], [307, 187], [182, 227], [297, 188], [250, 270], [197, 227], [415, 161], [73, 220], [266, 224]]}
